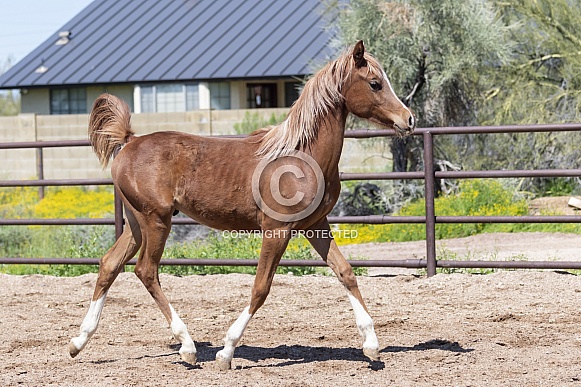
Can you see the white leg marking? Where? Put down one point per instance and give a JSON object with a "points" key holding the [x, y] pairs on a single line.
{"points": [[224, 357], [180, 332], [364, 324], [88, 327]]}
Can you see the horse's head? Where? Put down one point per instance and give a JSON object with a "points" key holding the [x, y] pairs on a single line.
{"points": [[368, 94]]}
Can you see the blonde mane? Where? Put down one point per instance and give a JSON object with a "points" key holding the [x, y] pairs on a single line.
{"points": [[320, 94]]}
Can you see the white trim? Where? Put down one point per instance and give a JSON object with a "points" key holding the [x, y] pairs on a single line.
{"points": [[137, 99], [204, 95]]}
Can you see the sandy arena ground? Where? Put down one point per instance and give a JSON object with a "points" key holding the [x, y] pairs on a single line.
{"points": [[508, 328]]}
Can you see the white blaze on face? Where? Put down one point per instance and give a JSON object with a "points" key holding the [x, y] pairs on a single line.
{"points": [[395, 95]]}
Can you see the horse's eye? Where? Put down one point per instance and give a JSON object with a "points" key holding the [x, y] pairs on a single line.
{"points": [[375, 85]]}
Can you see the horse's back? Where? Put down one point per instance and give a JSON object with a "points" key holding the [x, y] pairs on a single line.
{"points": [[177, 151], [168, 170]]}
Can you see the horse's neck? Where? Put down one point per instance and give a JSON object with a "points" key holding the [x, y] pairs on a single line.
{"points": [[327, 147]]}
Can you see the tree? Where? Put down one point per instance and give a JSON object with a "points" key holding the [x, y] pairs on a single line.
{"points": [[9, 99], [541, 83], [433, 52]]}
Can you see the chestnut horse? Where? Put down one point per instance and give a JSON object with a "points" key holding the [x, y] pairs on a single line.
{"points": [[279, 180]]}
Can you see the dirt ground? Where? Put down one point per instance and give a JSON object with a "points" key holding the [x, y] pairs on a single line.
{"points": [[534, 246], [507, 328]]}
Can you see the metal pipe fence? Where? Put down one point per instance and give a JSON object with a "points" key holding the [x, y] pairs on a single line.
{"points": [[429, 175]]}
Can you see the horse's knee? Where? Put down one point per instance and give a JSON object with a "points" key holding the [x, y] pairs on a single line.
{"points": [[145, 274], [259, 294], [347, 277]]}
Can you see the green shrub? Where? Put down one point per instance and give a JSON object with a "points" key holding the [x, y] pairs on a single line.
{"points": [[55, 241], [76, 202], [253, 121], [18, 202], [475, 198], [241, 247]]}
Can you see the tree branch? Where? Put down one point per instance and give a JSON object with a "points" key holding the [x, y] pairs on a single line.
{"points": [[420, 80]]}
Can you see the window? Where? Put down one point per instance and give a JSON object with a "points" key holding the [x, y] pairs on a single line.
{"points": [[171, 97], [192, 97], [261, 95], [219, 95], [68, 101], [292, 90], [147, 99]]}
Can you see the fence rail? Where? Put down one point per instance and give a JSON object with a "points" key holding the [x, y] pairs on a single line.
{"points": [[429, 175]]}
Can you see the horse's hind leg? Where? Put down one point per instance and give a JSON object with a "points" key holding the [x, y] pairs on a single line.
{"points": [[111, 264], [327, 248], [155, 232]]}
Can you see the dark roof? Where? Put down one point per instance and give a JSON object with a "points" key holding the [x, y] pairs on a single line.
{"points": [[135, 41]]}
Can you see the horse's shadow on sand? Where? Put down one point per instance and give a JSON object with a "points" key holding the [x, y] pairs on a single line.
{"points": [[301, 354]]}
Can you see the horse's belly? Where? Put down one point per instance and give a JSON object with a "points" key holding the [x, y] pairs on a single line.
{"points": [[225, 216]]}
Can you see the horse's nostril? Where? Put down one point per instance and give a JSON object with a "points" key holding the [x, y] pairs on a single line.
{"points": [[411, 121]]}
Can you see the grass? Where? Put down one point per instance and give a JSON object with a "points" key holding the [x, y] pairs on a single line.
{"points": [[445, 254], [253, 121], [241, 247], [476, 197]]}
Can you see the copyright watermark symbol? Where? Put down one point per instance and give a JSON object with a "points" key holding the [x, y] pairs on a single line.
{"points": [[288, 188]]}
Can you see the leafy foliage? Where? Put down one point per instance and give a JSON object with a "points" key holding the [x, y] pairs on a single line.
{"points": [[94, 241], [53, 241], [539, 84], [238, 247], [479, 62], [542, 82], [475, 197], [76, 202], [375, 198], [17, 202], [253, 121], [9, 99], [434, 53]]}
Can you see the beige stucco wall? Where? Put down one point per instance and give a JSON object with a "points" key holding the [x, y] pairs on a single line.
{"points": [[35, 101], [80, 162]]}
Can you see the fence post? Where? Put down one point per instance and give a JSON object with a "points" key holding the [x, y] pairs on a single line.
{"points": [[118, 214], [40, 171], [39, 160], [429, 179]]}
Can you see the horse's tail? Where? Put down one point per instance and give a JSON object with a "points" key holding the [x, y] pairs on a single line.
{"points": [[109, 126]]}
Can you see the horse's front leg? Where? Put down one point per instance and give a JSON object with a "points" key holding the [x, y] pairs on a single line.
{"points": [[325, 245], [274, 243]]}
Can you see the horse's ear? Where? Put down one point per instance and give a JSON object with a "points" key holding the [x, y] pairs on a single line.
{"points": [[358, 54]]}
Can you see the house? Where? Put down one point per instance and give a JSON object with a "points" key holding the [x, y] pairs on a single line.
{"points": [[175, 56]]}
